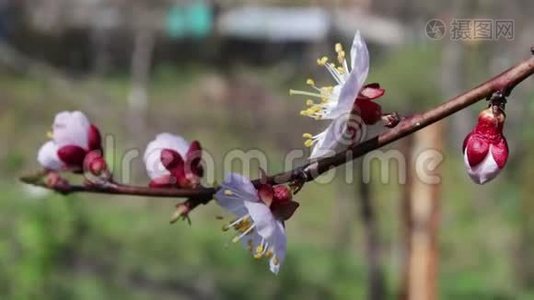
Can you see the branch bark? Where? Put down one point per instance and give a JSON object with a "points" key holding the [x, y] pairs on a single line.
{"points": [[503, 82]]}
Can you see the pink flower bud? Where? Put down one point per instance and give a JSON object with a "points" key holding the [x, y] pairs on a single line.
{"points": [[283, 206], [54, 180], [72, 138], [485, 148], [282, 193], [95, 163], [172, 162]]}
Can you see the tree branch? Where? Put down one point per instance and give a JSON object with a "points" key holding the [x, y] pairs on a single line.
{"points": [[121, 189], [502, 83]]}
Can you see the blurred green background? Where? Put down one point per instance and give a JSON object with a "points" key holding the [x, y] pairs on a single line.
{"points": [[138, 68]]}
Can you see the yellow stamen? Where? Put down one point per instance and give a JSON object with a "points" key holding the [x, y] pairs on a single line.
{"points": [[243, 225], [307, 135], [314, 108], [304, 93], [341, 57], [339, 47], [308, 143], [327, 90], [259, 251], [309, 102], [310, 81], [313, 111], [307, 113], [322, 61], [49, 134], [228, 193]]}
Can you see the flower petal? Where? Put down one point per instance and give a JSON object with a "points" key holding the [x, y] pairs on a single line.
{"points": [[485, 170], [263, 218], [94, 138], [371, 91], [171, 141], [193, 159], [73, 156], [358, 74], [234, 191], [152, 156], [48, 158], [171, 159], [279, 242], [333, 100], [266, 194], [359, 55], [500, 152], [71, 128], [476, 149], [333, 139], [467, 138]]}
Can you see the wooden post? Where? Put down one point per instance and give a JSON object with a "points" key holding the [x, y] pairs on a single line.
{"points": [[375, 276], [141, 61], [406, 219], [421, 217]]}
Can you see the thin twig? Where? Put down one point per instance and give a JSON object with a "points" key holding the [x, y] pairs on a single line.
{"points": [[502, 83]]}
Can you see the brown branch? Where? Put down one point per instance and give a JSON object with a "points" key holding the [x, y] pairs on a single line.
{"points": [[121, 189], [502, 83]]}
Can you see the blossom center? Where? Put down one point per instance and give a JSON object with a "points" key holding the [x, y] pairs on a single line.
{"points": [[244, 226], [322, 100]]}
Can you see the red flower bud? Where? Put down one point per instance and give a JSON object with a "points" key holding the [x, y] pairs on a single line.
{"points": [[282, 193], [95, 164], [172, 162], [283, 207], [485, 148], [54, 180]]}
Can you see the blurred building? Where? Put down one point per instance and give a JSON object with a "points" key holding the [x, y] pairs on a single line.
{"points": [[100, 34]]}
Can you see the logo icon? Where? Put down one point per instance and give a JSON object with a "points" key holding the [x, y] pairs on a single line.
{"points": [[435, 29]]}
